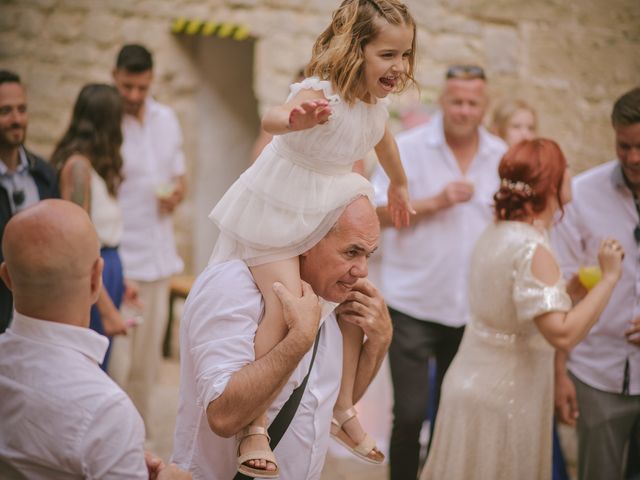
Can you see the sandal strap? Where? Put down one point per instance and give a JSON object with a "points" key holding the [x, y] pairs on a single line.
{"points": [[253, 430], [366, 446], [257, 455], [343, 416]]}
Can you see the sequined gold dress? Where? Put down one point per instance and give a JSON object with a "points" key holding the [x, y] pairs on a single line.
{"points": [[496, 407]]}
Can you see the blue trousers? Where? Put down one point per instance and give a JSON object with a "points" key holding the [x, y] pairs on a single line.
{"points": [[113, 281]]}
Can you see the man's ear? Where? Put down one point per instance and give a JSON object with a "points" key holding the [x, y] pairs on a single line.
{"points": [[4, 274], [96, 278]]}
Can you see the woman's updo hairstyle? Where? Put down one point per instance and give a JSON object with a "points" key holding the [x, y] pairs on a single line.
{"points": [[530, 173]]}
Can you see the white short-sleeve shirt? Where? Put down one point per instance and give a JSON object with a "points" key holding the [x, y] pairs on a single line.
{"points": [[217, 331], [63, 417], [152, 156], [424, 269]]}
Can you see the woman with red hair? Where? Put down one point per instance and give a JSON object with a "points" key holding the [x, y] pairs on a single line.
{"points": [[497, 397]]}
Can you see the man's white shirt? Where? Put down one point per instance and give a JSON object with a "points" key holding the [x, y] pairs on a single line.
{"points": [[63, 417], [424, 269], [217, 331], [152, 157], [602, 206]]}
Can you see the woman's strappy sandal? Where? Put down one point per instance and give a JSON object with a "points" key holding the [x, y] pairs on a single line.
{"points": [[366, 449], [256, 455]]}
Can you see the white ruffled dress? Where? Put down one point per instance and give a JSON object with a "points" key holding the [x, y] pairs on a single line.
{"points": [[297, 188]]}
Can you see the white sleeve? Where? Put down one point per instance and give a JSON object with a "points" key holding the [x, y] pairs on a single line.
{"points": [[221, 319], [113, 447], [313, 83]]}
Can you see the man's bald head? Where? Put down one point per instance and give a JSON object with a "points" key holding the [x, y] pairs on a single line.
{"points": [[52, 258], [339, 260]]}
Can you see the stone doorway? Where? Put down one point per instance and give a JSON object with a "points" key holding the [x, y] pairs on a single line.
{"points": [[227, 120]]}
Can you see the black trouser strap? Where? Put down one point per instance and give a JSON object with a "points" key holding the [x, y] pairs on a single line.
{"points": [[280, 424]]}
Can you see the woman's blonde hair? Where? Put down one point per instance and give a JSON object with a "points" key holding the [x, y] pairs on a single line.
{"points": [[505, 110], [338, 54]]}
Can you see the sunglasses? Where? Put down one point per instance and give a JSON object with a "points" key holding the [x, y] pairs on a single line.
{"points": [[466, 72]]}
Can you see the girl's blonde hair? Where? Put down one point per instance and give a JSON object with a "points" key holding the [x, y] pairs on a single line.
{"points": [[338, 54], [505, 110]]}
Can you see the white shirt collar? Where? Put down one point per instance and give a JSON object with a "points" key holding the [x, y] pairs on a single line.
{"points": [[23, 163], [150, 109], [82, 339], [435, 134]]}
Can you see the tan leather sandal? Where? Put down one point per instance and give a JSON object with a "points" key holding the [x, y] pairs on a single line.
{"points": [[256, 455], [366, 449]]}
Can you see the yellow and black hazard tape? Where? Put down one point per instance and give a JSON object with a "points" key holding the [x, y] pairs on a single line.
{"points": [[210, 29]]}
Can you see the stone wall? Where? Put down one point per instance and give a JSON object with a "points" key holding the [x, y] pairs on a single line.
{"points": [[570, 58]]}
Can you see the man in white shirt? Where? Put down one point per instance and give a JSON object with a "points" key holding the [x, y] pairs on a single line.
{"points": [[603, 384], [451, 164], [153, 186], [62, 417], [222, 385]]}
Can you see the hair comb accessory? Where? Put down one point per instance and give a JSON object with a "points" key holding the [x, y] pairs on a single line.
{"points": [[518, 186]]}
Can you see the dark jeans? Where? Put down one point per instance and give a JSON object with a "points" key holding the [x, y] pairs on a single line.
{"points": [[414, 342]]}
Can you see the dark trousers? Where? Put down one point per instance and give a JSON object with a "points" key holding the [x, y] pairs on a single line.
{"points": [[608, 428], [414, 342]]}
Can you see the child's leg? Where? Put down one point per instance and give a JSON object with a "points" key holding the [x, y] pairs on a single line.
{"points": [[352, 337], [271, 330]]}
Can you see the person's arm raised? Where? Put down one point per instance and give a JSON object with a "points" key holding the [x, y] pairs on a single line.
{"points": [[305, 110], [254, 387], [564, 330]]}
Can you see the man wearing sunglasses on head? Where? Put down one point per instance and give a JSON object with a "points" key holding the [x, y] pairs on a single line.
{"points": [[451, 165], [598, 386], [25, 178]]}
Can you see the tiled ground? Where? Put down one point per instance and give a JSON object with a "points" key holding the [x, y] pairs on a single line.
{"points": [[164, 409], [337, 467]]}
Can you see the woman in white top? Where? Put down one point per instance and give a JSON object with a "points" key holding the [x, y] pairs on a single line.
{"points": [[89, 164]]}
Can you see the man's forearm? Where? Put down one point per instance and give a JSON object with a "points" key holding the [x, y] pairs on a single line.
{"points": [[371, 357], [560, 363], [252, 389]]}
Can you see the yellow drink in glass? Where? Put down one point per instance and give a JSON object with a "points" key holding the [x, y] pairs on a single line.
{"points": [[589, 276]]}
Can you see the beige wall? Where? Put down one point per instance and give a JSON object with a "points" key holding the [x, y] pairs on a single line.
{"points": [[570, 58]]}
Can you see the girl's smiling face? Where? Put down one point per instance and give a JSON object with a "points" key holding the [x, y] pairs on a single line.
{"points": [[386, 59]]}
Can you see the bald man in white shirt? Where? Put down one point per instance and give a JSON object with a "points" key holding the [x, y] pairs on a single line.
{"points": [[602, 391], [62, 417], [222, 385]]}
